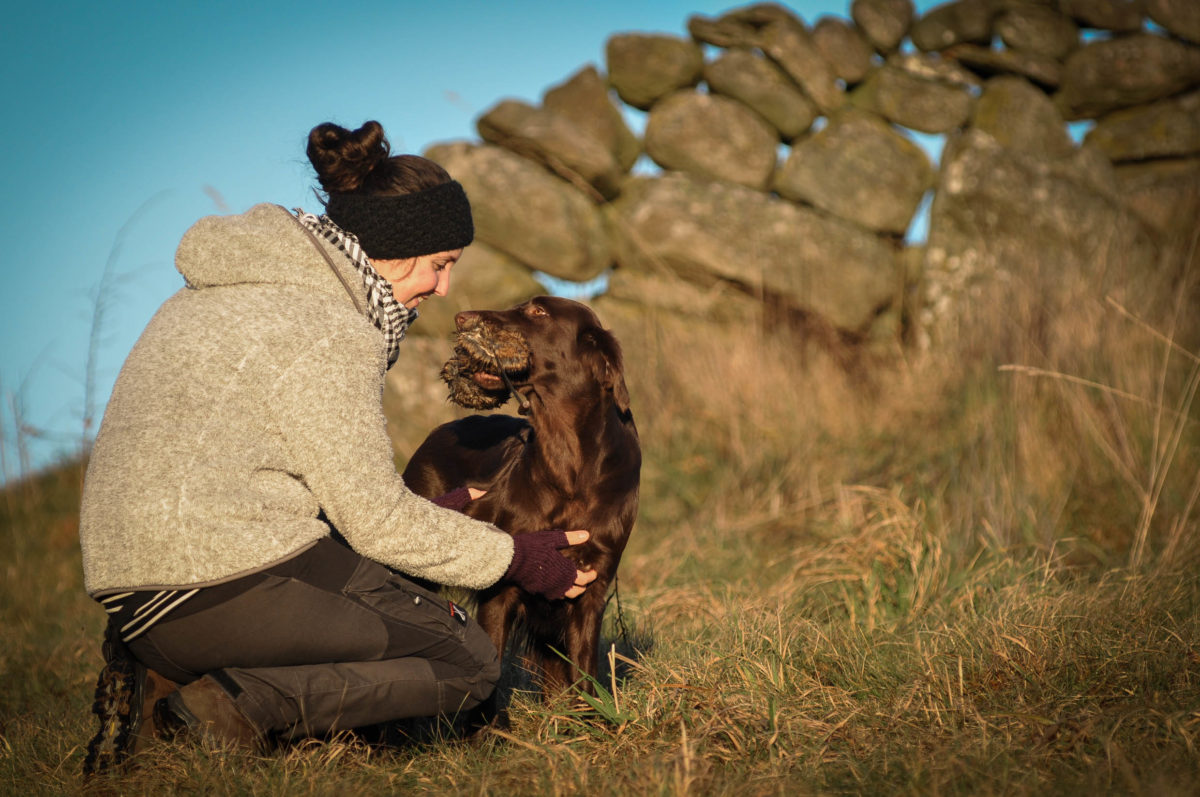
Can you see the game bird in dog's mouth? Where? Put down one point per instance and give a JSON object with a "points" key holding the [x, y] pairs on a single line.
{"points": [[485, 361], [571, 462]]}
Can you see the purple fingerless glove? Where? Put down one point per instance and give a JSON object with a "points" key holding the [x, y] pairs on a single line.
{"points": [[538, 567], [456, 499]]}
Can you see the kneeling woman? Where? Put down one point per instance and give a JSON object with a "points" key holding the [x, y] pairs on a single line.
{"points": [[246, 426]]}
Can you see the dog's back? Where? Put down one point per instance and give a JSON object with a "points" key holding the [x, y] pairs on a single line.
{"points": [[471, 452]]}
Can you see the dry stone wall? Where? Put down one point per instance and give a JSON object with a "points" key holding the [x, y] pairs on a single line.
{"points": [[787, 173]]}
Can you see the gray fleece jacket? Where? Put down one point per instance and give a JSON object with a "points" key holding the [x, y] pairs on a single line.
{"points": [[253, 401]]}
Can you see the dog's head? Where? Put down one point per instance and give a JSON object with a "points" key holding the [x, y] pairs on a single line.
{"points": [[547, 347]]}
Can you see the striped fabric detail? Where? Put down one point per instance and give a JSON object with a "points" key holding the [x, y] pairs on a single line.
{"points": [[392, 318], [111, 603], [141, 610]]}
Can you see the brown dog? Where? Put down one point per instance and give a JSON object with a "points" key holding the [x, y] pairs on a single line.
{"points": [[574, 464]]}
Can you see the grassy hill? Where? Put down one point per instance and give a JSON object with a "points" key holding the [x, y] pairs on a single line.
{"points": [[887, 573]]}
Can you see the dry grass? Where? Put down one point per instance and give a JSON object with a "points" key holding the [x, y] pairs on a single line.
{"points": [[928, 575]]}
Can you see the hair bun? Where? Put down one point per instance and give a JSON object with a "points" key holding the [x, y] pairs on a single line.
{"points": [[344, 158]]}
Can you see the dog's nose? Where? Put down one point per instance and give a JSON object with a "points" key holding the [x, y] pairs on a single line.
{"points": [[466, 319]]}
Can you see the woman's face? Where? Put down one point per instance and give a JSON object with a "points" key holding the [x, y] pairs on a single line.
{"points": [[415, 278]]}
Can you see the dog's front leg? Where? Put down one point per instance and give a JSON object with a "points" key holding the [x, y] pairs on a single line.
{"points": [[583, 633]]}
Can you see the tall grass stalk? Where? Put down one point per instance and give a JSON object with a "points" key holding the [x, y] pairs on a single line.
{"points": [[1171, 422], [104, 297]]}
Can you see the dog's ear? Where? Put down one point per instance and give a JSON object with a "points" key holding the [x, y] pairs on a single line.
{"points": [[603, 353]]}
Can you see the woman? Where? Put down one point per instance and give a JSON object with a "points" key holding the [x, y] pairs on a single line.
{"points": [[245, 427]]}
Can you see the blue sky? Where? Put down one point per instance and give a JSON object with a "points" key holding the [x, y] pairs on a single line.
{"points": [[128, 120]]}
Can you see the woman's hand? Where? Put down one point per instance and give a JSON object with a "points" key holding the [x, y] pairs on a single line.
{"points": [[458, 498], [582, 577], [538, 566]]}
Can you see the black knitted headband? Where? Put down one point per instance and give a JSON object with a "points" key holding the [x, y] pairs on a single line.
{"points": [[425, 222]]}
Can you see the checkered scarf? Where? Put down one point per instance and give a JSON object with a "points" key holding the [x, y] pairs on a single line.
{"points": [[392, 318]]}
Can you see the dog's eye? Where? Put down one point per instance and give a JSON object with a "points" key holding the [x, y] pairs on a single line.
{"points": [[536, 310]]}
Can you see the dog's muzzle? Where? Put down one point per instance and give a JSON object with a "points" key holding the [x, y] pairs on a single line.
{"points": [[486, 360]]}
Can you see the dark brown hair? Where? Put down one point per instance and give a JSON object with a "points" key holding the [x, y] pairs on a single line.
{"points": [[360, 162]]}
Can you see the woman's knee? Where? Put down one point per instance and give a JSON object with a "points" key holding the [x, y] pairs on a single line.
{"points": [[486, 679], [487, 659]]}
